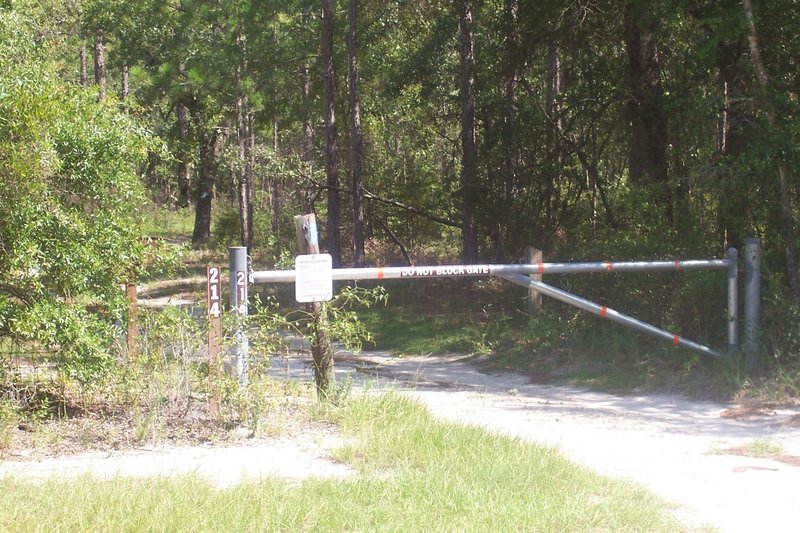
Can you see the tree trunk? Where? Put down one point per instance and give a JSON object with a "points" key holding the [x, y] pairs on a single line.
{"points": [[308, 131], [510, 165], [125, 88], [244, 131], [245, 185], [733, 202], [554, 80], [100, 66], [358, 145], [275, 186], [184, 170], [469, 245], [211, 141], [648, 147], [784, 172], [331, 166], [275, 193], [83, 65]]}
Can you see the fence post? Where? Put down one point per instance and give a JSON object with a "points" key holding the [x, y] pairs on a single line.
{"points": [[214, 306], [321, 346], [133, 321], [752, 300], [238, 288], [533, 256], [733, 302]]}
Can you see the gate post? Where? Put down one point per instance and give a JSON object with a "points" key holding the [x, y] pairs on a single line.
{"points": [[533, 256], [733, 302], [321, 345], [238, 287], [752, 300]]}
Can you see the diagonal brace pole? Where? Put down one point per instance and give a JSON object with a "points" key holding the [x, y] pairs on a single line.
{"points": [[604, 312]]}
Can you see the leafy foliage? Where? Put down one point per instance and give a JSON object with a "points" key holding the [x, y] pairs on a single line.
{"points": [[68, 205]]}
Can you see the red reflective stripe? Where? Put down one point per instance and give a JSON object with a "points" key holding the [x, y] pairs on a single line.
{"points": [[677, 265], [603, 311], [608, 266], [380, 273], [541, 268], [676, 340]]}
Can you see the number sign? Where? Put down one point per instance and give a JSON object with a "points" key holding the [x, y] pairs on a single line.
{"points": [[241, 292], [214, 292]]}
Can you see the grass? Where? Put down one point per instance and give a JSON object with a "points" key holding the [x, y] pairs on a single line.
{"points": [[439, 316], [757, 448], [415, 474], [561, 344], [419, 334], [762, 448], [164, 222]]}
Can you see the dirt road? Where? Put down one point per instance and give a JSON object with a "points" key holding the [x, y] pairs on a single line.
{"points": [[688, 452]]}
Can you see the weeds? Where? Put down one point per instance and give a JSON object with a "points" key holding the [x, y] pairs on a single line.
{"points": [[760, 448], [9, 419], [416, 474], [763, 448]]}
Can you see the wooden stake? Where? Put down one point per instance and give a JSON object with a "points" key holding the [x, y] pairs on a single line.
{"points": [[214, 299], [133, 321], [321, 346], [533, 256]]}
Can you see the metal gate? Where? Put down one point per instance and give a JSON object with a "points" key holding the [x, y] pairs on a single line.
{"points": [[523, 274]]}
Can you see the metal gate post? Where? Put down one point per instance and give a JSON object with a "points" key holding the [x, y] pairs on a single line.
{"points": [[733, 302], [238, 287], [752, 300]]}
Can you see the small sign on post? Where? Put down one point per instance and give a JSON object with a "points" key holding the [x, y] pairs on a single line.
{"points": [[214, 300], [313, 285], [314, 278]]}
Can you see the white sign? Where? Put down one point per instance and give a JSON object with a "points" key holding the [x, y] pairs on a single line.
{"points": [[313, 278], [214, 292]]}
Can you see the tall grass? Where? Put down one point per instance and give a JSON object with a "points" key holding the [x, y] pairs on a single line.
{"points": [[162, 221], [416, 474]]}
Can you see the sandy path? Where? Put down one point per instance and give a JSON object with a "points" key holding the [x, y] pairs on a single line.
{"points": [[675, 447]]}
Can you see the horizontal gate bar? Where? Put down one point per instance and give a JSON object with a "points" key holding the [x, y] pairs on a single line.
{"points": [[448, 271], [604, 312]]}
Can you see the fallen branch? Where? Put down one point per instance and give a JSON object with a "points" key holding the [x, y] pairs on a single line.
{"points": [[395, 240], [394, 203]]}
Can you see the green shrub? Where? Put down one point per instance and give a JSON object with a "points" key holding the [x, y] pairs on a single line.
{"points": [[9, 418], [780, 337], [69, 196]]}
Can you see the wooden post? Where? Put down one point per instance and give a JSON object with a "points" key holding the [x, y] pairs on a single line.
{"points": [[133, 321], [214, 300], [321, 346], [533, 256]]}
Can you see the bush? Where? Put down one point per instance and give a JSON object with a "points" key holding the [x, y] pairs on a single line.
{"points": [[69, 196], [780, 337]]}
